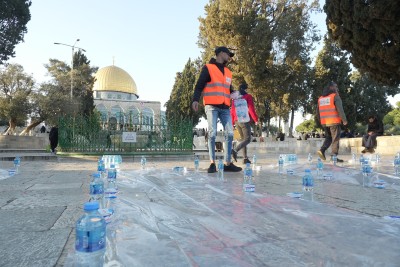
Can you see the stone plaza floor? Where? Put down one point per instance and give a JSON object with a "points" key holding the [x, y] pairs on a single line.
{"points": [[168, 218]]}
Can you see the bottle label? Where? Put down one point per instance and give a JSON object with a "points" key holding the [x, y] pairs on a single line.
{"points": [[90, 241], [249, 187], [112, 174], [96, 189]]}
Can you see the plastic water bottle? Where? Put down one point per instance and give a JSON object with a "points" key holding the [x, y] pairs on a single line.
{"points": [[111, 188], [248, 185], [354, 159], [308, 183], [143, 162], [361, 160], [280, 165], [309, 158], [196, 163], [367, 174], [90, 240], [396, 164], [320, 167], [97, 189], [220, 170], [101, 167], [254, 161], [17, 164], [334, 159]]}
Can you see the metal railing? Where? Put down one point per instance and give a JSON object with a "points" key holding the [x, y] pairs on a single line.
{"points": [[90, 134]]}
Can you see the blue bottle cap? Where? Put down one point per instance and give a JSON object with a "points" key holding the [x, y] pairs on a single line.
{"points": [[247, 164], [91, 206], [307, 170], [96, 175], [112, 166]]}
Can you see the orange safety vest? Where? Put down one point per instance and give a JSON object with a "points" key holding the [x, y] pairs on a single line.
{"points": [[327, 110], [217, 91]]}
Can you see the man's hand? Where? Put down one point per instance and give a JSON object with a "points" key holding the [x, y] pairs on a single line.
{"points": [[345, 123], [195, 106]]}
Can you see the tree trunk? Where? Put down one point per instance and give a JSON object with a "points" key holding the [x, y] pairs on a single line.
{"points": [[291, 123], [30, 127], [11, 128]]}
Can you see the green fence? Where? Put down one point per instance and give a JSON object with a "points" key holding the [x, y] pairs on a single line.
{"points": [[92, 135]]}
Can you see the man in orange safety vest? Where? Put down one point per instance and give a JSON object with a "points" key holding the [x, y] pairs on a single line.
{"points": [[331, 115]]}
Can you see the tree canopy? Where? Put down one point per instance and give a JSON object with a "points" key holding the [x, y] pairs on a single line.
{"points": [[15, 89], [272, 41], [179, 103], [370, 31], [14, 15]]}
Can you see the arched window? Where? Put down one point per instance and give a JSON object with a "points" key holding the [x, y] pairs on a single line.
{"points": [[103, 112], [133, 116], [147, 118]]}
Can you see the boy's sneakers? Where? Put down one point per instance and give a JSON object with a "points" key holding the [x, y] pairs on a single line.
{"points": [[234, 155], [321, 155], [337, 159], [246, 160], [231, 168], [212, 168]]}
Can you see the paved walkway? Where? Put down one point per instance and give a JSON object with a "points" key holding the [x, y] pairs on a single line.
{"points": [[193, 219]]}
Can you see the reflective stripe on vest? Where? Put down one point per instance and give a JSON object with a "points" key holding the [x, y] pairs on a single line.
{"points": [[217, 91], [327, 110]]}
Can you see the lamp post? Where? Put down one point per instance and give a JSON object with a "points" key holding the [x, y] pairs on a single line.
{"points": [[72, 60]]}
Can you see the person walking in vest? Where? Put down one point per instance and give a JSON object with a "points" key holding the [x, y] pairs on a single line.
{"points": [[215, 83], [375, 128], [244, 128], [331, 115]]}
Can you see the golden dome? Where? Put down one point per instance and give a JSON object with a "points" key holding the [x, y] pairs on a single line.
{"points": [[112, 78]]}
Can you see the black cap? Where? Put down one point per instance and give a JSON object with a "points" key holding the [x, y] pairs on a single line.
{"points": [[223, 49], [243, 86], [332, 83]]}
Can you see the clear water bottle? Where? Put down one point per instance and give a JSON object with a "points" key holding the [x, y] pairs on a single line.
{"points": [[334, 159], [196, 163], [320, 167], [248, 185], [101, 167], [354, 159], [254, 161], [90, 242], [367, 174], [111, 188], [143, 162], [220, 170], [97, 189], [309, 158], [361, 160], [17, 164], [377, 158], [396, 164], [280, 165], [308, 181]]}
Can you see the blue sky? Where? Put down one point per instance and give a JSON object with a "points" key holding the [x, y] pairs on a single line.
{"points": [[151, 40]]}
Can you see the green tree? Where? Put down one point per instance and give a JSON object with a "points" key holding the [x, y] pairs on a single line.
{"points": [[307, 126], [393, 117], [332, 64], [83, 83], [179, 103], [14, 15], [370, 31], [368, 97], [53, 97], [15, 89], [272, 41]]}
